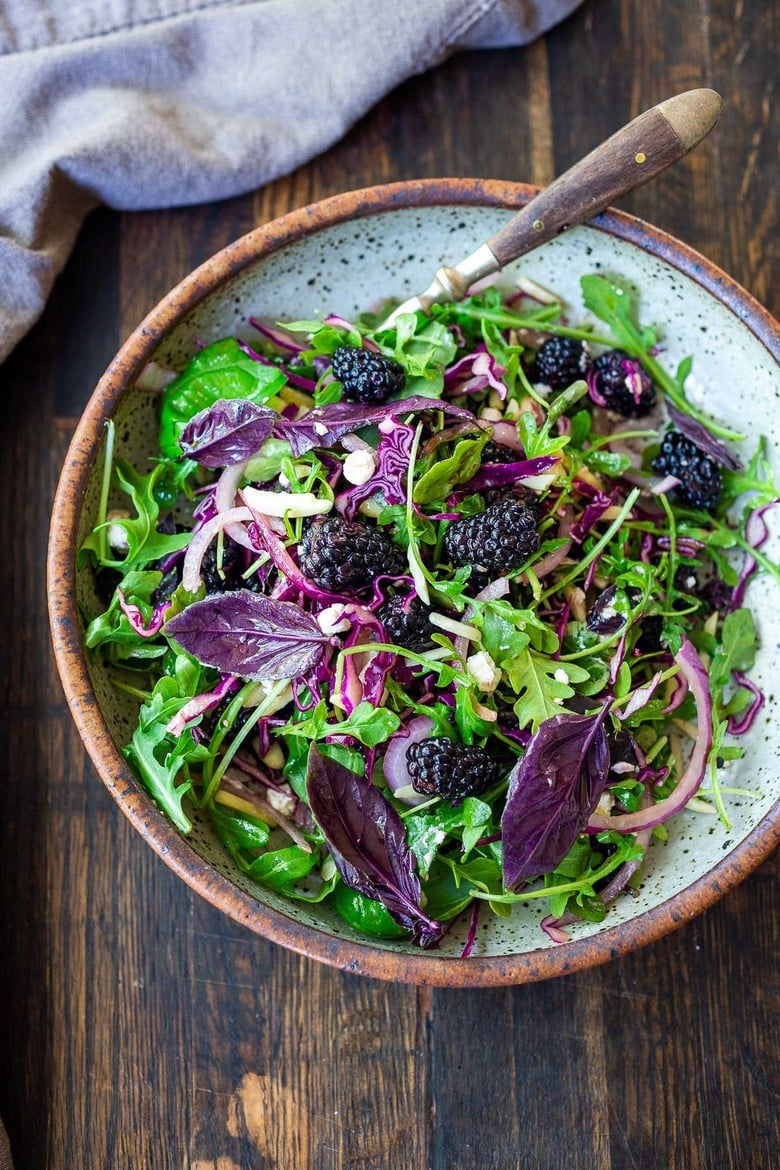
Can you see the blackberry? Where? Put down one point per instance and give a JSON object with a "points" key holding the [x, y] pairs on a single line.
{"points": [[560, 361], [651, 627], [406, 622], [366, 376], [441, 767], [227, 577], [498, 540], [211, 720], [716, 594], [346, 556], [168, 585], [494, 452], [622, 383], [686, 580], [621, 751], [699, 475], [106, 581]]}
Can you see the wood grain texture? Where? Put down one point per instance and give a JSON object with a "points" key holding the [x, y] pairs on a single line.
{"points": [[140, 1030]]}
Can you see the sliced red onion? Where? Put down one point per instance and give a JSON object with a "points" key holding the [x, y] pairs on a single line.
{"points": [[591, 377], [739, 724], [623, 876], [339, 322], [505, 433], [294, 379], [756, 534], [492, 592], [394, 765], [552, 927], [137, 620], [680, 691], [662, 486], [591, 514], [225, 498], [201, 540], [474, 372], [687, 546], [277, 337], [692, 668], [200, 704], [364, 675], [551, 562], [616, 661], [286, 565], [641, 697]]}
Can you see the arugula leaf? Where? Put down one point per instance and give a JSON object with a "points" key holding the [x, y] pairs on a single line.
{"points": [[438, 481], [221, 370], [612, 305], [159, 758], [736, 650], [367, 723], [537, 440], [423, 346], [113, 627], [541, 694], [145, 542]]}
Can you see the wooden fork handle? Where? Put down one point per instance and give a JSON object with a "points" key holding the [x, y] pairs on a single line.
{"points": [[631, 157]]}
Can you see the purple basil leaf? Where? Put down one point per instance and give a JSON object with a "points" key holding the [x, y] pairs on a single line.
{"points": [[230, 431], [553, 790], [368, 842], [697, 432], [249, 635], [325, 425]]}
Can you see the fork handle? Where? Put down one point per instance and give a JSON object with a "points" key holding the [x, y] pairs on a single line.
{"points": [[631, 157]]}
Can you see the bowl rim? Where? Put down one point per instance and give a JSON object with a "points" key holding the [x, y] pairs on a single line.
{"points": [[174, 849]]}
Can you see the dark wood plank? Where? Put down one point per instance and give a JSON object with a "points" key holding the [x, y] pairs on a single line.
{"points": [[143, 1030]]}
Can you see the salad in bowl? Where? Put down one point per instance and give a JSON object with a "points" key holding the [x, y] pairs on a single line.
{"points": [[440, 620]]}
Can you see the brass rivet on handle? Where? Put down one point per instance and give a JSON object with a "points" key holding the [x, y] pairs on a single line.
{"points": [[641, 157]]}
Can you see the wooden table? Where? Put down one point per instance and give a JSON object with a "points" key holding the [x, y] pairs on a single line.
{"points": [[140, 1028]]}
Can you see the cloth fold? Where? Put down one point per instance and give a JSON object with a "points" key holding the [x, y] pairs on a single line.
{"points": [[154, 103]]}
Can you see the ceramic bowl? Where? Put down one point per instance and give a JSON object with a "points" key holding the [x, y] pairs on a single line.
{"points": [[343, 255]]}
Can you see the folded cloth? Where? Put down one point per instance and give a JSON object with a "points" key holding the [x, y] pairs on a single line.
{"points": [[5, 1150], [152, 103]]}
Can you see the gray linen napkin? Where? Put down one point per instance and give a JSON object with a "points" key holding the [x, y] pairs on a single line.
{"points": [[153, 103]]}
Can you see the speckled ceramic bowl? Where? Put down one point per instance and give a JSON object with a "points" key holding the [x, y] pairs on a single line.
{"points": [[343, 255]]}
